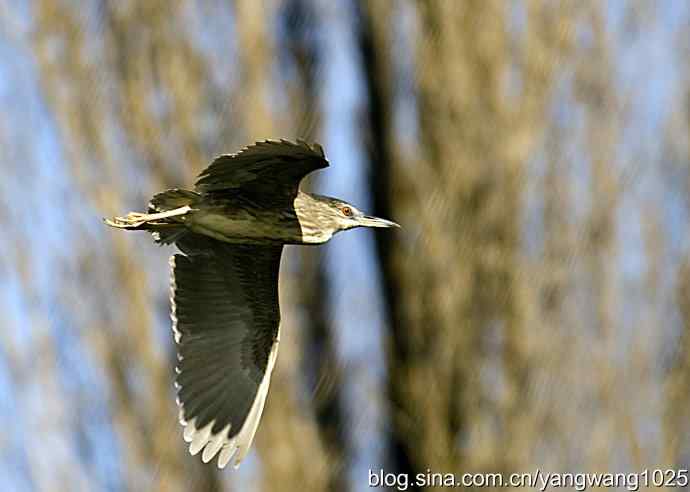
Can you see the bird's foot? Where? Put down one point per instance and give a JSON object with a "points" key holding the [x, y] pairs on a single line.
{"points": [[133, 220]]}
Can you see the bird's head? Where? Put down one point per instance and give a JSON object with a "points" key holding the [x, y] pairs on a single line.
{"points": [[323, 216], [347, 216]]}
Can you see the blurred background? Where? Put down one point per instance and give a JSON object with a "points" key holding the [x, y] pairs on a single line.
{"points": [[533, 311]]}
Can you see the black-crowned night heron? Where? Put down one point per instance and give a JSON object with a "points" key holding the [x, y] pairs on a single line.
{"points": [[224, 288]]}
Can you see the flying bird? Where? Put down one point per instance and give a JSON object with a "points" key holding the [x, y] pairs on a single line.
{"points": [[231, 230]]}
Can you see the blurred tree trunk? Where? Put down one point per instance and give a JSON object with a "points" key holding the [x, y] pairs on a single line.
{"points": [[676, 418], [454, 284], [677, 410], [153, 452], [594, 89], [321, 365], [374, 41]]}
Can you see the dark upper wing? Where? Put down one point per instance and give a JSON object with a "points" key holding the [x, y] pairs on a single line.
{"points": [[271, 168], [226, 324]]}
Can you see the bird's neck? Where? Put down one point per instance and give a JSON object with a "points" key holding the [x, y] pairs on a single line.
{"points": [[312, 216]]}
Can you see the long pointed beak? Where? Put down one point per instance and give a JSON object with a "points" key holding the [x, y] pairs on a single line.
{"points": [[369, 221]]}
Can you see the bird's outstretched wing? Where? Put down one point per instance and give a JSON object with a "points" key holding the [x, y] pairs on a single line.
{"points": [[226, 325], [268, 169]]}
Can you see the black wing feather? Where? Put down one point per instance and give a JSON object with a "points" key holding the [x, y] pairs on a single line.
{"points": [[226, 319], [265, 169]]}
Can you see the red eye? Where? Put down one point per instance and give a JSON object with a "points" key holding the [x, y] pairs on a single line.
{"points": [[347, 211]]}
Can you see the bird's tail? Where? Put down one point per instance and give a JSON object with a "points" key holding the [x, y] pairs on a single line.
{"points": [[165, 218]]}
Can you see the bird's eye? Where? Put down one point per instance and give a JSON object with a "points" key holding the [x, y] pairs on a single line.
{"points": [[347, 211]]}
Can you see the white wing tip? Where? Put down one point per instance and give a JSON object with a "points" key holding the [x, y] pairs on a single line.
{"points": [[219, 444], [208, 443]]}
